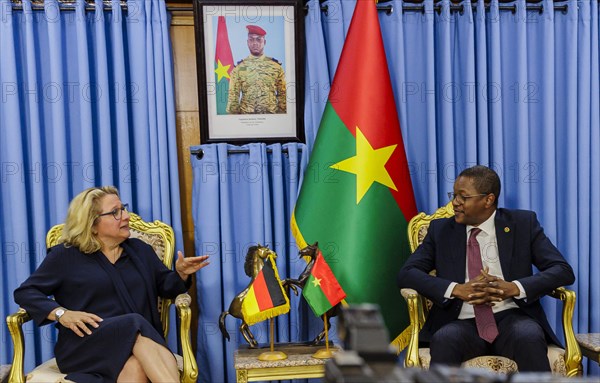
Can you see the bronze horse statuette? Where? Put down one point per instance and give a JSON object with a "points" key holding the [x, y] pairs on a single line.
{"points": [[311, 252], [255, 260]]}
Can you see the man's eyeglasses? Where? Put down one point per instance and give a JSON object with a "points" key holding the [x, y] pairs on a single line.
{"points": [[462, 198], [116, 213]]}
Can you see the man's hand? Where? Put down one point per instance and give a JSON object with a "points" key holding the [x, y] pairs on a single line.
{"points": [[472, 289], [497, 288], [485, 289]]}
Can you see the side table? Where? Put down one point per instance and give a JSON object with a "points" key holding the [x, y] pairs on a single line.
{"points": [[299, 364], [590, 345]]}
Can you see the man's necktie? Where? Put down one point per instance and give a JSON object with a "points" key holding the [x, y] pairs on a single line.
{"points": [[484, 316]]}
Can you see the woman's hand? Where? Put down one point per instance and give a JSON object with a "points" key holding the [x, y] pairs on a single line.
{"points": [[78, 322], [186, 266]]}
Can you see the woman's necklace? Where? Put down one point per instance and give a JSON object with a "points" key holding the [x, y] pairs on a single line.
{"points": [[116, 254]]}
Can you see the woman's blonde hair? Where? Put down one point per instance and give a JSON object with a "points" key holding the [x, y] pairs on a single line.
{"points": [[81, 216]]}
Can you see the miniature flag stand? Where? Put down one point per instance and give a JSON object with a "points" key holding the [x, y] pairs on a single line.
{"points": [[272, 355], [324, 353], [263, 298], [322, 293]]}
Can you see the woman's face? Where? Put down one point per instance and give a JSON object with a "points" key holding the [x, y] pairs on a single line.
{"points": [[109, 230]]}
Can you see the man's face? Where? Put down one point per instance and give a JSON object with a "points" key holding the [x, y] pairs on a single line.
{"points": [[471, 206], [256, 44]]}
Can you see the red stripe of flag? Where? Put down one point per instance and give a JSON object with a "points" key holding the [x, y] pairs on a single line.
{"points": [[261, 292], [223, 49]]}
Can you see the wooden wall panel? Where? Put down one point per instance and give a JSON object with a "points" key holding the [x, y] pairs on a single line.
{"points": [[188, 122], [184, 52], [188, 130]]}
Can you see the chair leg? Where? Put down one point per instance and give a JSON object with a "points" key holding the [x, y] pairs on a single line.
{"points": [[190, 367], [15, 327]]}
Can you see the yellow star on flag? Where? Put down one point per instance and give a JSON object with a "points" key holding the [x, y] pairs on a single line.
{"points": [[222, 70], [368, 164], [316, 282]]}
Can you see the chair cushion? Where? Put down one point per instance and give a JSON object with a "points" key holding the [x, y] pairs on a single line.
{"points": [[556, 356], [48, 372], [4, 369], [498, 364]]}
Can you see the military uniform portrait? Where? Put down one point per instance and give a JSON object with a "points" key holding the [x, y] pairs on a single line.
{"points": [[257, 82], [251, 78]]}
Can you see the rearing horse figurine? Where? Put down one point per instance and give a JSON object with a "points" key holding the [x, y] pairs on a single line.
{"points": [[255, 260], [311, 251]]}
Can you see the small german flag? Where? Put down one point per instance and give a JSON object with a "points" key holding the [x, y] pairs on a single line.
{"points": [[266, 298]]}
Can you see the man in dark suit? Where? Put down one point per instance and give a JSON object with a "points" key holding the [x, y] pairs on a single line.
{"points": [[497, 248]]}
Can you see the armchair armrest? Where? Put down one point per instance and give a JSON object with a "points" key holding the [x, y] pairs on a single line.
{"points": [[190, 367], [417, 319], [572, 350], [15, 327]]}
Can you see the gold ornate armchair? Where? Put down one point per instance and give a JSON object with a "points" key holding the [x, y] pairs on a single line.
{"points": [[160, 236], [566, 362]]}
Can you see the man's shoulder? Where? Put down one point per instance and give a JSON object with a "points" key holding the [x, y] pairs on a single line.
{"points": [[444, 221], [239, 64], [514, 214], [442, 224], [242, 63], [272, 60]]}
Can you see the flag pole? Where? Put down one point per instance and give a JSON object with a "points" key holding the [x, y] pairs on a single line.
{"points": [[272, 354], [325, 353], [271, 334]]}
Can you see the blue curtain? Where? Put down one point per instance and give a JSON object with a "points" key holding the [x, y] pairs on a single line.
{"points": [[518, 91], [87, 99], [239, 200]]}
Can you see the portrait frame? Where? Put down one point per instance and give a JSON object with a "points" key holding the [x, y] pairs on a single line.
{"points": [[264, 116]]}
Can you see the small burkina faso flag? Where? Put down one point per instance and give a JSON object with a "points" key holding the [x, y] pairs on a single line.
{"points": [[356, 197], [322, 290], [265, 298], [223, 65]]}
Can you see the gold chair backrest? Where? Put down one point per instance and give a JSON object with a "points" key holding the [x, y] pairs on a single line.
{"points": [[157, 234], [417, 230], [419, 224]]}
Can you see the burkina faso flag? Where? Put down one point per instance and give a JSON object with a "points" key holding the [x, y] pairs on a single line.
{"points": [[322, 290], [356, 197], [223, 65]]}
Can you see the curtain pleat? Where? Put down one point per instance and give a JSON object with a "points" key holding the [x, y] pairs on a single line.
{"points": [[75, 99], [240, 200]]}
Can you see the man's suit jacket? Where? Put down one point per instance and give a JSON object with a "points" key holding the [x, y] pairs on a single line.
{"points": [[521, 245]]}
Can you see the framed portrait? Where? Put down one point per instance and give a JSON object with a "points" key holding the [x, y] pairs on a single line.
{"points": [[250, 70]]}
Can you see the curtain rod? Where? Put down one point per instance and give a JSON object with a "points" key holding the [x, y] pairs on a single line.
{"points": [[199, 153], [70, 5], [418, 6], [407, 6]]}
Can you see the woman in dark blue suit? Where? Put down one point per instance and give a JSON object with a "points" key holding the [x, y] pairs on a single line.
{"points": [[105, 287]]}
